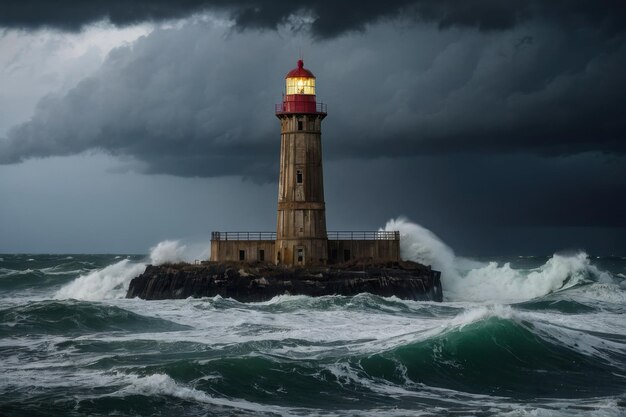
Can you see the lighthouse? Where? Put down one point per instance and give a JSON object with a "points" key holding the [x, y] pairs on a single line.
{"points": [[301, 237]]}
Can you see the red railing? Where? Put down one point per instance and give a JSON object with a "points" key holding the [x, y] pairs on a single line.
{"points": [[301, 107]]}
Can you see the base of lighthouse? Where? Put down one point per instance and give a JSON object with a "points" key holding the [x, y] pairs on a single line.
{"points": [[339, 248]]}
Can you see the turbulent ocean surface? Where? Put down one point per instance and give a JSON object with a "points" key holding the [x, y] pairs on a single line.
{"points": [[533, 335]]}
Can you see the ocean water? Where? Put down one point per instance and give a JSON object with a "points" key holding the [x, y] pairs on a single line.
{"points": [[525, 336]]}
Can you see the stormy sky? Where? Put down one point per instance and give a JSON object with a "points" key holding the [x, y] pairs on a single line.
{"points": [[498, 125]]}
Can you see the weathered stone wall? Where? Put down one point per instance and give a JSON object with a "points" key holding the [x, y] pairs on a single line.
{"points": [[339, 251], [377, 250], [301, 217], [228, 250]]}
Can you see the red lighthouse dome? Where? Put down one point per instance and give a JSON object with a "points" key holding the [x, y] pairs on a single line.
{"points": [[300, 71], [300, 93]]}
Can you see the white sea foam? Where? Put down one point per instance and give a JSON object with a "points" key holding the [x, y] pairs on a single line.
{"points": [[469, 280], [113, 280], [480, 313], [109, 282], [557, 408], [606, 293], [508, 284], [72, 272], [5, 272], [162, 384]]}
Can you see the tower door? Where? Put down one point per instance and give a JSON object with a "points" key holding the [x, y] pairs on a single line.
{"points": [[299, 255]]}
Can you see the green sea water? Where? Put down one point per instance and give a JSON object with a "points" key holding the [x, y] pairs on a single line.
{"points": [[547, 338]]}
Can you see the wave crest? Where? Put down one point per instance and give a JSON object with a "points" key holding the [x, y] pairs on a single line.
{"points": [[112, 281], [109, 282], [468, 280]]}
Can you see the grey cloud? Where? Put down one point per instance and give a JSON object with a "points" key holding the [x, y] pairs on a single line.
{"points": [[198, 100], [176, 100], [330, 18]]}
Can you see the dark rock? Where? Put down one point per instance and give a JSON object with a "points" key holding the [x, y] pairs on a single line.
{"points": [[251, 283]]}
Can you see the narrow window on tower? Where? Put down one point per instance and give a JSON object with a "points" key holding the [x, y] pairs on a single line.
{"points": [[299, 176], [261, 255], [242, 255], [300, 125]]}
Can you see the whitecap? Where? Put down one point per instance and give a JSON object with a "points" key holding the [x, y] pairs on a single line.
{"points": [[162, 384], [113, 280], [465, 279], [109, 282], [5, 272]]}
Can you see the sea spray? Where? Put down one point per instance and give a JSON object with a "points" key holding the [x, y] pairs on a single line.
{"points": [[172, 251], [167, 251], [112, 281], [504, 283], [421, 245], [467, 280], [109, 282]]}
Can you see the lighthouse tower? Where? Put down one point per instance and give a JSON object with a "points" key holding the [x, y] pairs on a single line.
{"points": [[301, 237]]}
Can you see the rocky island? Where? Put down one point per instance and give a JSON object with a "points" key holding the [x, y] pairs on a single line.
{"points": [[261, 282], [301, 257]]}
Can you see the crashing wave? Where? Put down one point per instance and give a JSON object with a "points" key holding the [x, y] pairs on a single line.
{"points": [[468, 280]]}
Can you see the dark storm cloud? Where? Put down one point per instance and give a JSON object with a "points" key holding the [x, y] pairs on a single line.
{"points": [[177, 101], [190, 101], [459, 195], [478, 114], [330, 18]]}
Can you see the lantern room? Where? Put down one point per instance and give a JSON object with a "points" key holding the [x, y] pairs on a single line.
{"points": [[300, 81], [300, 93]]}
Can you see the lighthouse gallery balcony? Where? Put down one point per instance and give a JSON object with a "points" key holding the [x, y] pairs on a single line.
{"points": [[302, 107]]}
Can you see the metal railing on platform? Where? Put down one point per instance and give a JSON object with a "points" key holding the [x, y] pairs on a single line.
{"points": [[364, 235], [243, 235], [339, 235]]}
